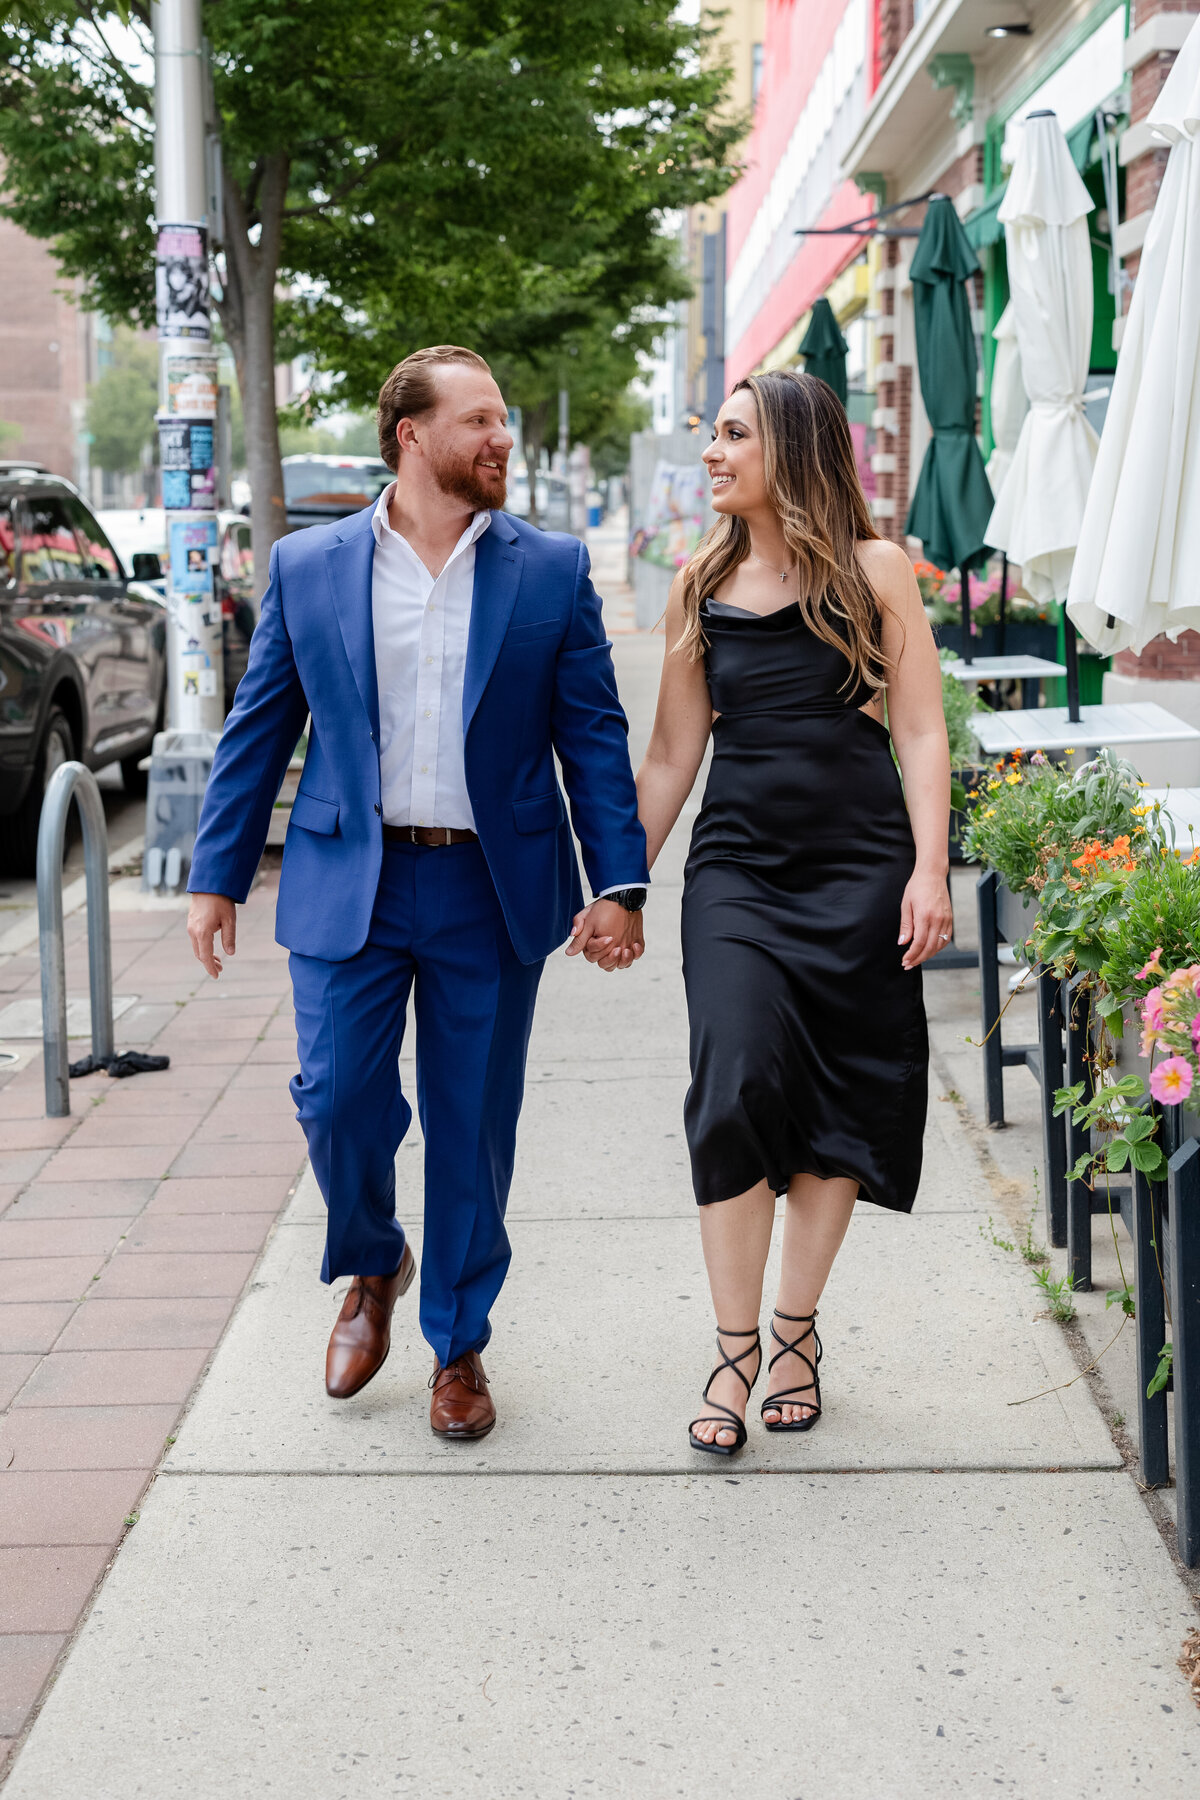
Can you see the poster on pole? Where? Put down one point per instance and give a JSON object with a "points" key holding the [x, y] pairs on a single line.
{"points": [[196, 610], [191, 385], [186, 452], [181, 282]]}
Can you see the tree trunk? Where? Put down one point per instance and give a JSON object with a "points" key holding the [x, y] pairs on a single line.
{"points": [[247, 312]]}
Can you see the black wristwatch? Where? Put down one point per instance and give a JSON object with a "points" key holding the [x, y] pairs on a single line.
{"points": [[632, 899]]}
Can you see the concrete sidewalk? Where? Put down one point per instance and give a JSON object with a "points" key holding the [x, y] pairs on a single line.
{"points": [[937, 1592]]}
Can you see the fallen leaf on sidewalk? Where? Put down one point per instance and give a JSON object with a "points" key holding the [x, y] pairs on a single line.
{"points": [[1189, 1662]]}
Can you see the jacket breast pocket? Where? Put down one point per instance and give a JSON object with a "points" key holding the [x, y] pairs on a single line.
{"points": [[543, 813], [538, 628], [315, 814]]}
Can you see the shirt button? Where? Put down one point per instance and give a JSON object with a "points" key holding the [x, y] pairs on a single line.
{"points": [[428, 714], [378, 808], [429, 659], [424, 768]]}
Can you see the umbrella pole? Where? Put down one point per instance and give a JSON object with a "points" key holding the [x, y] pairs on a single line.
{"points": [[1071, 658], [1002, 624], [968, 653]]}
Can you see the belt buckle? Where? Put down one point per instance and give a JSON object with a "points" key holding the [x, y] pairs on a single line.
{"points": [[412, 833]]}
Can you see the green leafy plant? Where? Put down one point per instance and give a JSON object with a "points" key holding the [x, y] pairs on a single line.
{"points": [[1161, 912], [1058, 1295], [1121, 1111], [959, 702], [1035, 817], [1162, 1373]]}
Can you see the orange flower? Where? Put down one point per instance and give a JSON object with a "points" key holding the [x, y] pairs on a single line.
{"points": [[1120, 846]]}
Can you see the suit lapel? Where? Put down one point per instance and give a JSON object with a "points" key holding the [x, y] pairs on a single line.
{"points": [[498, 564], [348, 564]]}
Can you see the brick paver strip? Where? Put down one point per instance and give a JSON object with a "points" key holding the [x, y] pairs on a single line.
{"points": [[26, 1659], [85, 1437], [127, 1235], [79, 1199]]}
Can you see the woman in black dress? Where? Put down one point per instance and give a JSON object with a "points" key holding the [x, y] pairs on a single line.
{"points": [[816, 882]]}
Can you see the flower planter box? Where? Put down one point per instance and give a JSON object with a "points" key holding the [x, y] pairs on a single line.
{"points": [[1015, 914]]}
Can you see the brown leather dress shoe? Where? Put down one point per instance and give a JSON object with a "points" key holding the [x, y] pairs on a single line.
{"points": [[461, 1406], [362, 1337]]}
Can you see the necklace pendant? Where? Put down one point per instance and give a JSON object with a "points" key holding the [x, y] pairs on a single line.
{"points": [[783, 575]]}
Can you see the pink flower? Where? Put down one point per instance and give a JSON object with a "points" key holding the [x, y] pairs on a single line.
{"points": [[1171, 1080], [1152, 1010], [1153, 966], [1196, 1034]]}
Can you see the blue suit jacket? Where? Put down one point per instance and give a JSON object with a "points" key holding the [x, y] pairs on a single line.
{"points": [[539, 680]]}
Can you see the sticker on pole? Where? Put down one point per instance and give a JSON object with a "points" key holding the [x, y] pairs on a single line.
{"points": [[181, 282], [186, 458], [193, 549], [191, 386]]}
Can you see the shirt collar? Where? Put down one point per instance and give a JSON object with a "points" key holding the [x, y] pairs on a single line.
{"points": [[381, 525]]}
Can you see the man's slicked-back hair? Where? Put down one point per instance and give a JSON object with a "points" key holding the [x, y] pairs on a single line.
{"points": [[411, 389]]}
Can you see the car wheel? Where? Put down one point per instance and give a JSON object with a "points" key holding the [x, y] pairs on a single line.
{"points": [[19, 832]]}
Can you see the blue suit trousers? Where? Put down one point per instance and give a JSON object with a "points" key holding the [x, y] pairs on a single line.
{"points": [[437, 930]]}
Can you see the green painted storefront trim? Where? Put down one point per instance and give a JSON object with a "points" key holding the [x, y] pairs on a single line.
{"points": [[991, 255], [1102, 10]]}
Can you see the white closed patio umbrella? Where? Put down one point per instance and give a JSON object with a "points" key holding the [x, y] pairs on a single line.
{"points": [[1039, 510], [1137, 573], [1010, 402]]}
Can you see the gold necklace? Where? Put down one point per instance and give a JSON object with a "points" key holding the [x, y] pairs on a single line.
{"points": [[782, 573]]}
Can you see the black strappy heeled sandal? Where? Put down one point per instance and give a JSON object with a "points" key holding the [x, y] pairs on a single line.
{"points": [[730, 1422], [788, 1396]]}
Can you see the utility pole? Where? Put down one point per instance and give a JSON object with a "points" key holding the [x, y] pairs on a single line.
{"points": [[187, 415], [187, 427]]}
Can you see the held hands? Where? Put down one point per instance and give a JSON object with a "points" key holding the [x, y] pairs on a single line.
{"points": [[926, 917], [609, 936], [208, 914]]}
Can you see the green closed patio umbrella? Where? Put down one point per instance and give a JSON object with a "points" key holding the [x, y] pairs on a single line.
{"points": [[825, 349], [953, 500]]}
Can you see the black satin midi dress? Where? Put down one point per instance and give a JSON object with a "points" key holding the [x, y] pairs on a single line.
{"points": [[809, 1048]]}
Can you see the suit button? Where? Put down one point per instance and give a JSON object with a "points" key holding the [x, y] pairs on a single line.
{"points": [[378, 809]]}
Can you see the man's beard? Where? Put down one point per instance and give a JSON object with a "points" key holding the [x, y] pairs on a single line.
{"points": [[465, 481]]}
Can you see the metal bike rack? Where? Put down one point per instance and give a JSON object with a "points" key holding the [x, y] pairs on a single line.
{"points": [[72, 782]]}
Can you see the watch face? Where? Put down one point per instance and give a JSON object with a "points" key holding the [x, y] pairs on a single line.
{"points": [[632, 899]]}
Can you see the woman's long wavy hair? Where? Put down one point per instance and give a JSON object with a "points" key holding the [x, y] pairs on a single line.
{"points": [[812, 480]]}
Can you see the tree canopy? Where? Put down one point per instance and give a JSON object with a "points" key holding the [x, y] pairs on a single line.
{"points": [[121, 404], [404, 171]]}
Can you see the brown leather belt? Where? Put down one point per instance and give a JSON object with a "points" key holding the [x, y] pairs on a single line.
{"points": [[430, 837]]}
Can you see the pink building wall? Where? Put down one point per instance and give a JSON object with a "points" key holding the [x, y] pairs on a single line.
{"points": [[798, 36]]}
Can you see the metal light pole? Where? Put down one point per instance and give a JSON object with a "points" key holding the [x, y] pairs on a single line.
{"points": [[187, 370], [187, 426]]}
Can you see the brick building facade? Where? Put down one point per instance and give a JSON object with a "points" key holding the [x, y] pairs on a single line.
{"points": [[47, 359], [1159, 28]]}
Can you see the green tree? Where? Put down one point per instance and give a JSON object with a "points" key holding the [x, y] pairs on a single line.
{"points": [[630, 412], [408, 170], [122, 403], [10, 434]]}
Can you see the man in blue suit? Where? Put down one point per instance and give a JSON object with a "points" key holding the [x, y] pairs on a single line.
{"points": [[443, 653]]}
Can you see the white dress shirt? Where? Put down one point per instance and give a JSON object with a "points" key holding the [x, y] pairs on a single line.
{"points": [[421, 627]]}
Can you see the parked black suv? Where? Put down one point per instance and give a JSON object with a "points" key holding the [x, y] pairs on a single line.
{"points": [[83, 666]]}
